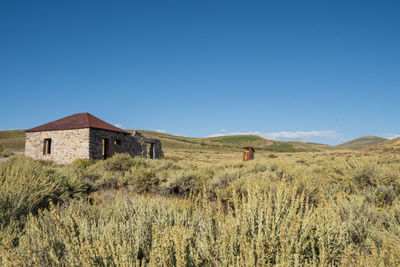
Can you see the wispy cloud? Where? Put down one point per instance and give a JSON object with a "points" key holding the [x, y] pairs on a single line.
{"points": [[225, 133], [389, 135], [286, 135], [161, 131], [119, 125], [301, 135]]}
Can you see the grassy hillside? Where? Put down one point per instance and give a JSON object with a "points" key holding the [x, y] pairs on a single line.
{"points": [[213, 149], [234, 142], [362, 142], [391, 146], [13, 140]]}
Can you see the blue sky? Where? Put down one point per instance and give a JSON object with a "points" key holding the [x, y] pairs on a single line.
{"points": [[323, 71]]}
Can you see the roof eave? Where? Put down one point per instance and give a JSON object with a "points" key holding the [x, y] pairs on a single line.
{"points": [[52, 130]]}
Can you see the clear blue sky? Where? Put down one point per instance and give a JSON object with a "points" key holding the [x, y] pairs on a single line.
{"points": [[324, 71]]}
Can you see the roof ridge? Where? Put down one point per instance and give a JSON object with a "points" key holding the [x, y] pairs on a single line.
{"points": [[77, 121]]}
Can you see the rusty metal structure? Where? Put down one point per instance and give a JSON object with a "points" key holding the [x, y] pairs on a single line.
{"points": [[248, 153]]}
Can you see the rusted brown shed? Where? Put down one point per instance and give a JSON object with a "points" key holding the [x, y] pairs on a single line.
{"points": [[248, 153]]}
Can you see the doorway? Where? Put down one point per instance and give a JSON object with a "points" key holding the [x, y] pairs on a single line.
{"points": [[150, 150], [105, 148]]}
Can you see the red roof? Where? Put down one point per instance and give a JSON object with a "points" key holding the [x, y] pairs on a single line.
{"points": [[77, 121]]}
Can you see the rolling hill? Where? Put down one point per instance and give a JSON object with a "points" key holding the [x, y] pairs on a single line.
{"points": [[234, 142], [362, 142], [14, 141], [392, 145]]}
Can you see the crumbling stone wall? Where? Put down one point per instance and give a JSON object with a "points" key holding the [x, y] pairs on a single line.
{"points": [[156, 152], [66, 145], [142, 140], [134, 144], [128, 144]]}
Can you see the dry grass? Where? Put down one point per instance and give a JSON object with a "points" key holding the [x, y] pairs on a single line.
{"points": [[5, 153], [13, 140], [191, 209]]}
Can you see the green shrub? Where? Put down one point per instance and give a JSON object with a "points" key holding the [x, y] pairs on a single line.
{"points": [[118, 163], [183, 183], [364, 175], [225, 178], [143, 180], [298, 209], [26, 186], [4, 153], [281, 147], [83, 163]]}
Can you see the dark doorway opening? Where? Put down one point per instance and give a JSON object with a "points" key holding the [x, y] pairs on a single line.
{"points": [[150, 149], [105, 149]]}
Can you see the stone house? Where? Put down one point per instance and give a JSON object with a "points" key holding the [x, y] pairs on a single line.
{"points": [[84, 136]]}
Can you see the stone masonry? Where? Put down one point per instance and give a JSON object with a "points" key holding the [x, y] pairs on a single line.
{"points": [[69, 145], [66, 145], [126, 144], [155, 146]]}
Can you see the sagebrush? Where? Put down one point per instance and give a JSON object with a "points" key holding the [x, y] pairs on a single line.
{"points": [[286, 209]]}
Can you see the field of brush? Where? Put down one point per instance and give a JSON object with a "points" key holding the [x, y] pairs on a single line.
{"points": [[203, 206]]}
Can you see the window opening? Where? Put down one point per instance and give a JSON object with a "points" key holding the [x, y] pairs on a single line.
{"points": [[47, 146]]}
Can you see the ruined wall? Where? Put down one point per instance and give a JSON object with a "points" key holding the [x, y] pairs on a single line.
{"points": [[139, 140], [66, 145], [128, 144], [142, 140], [157, 150]]}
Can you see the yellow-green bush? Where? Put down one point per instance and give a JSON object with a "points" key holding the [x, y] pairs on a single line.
{"points": [[296, 209], [4, 152], [26, 186]]}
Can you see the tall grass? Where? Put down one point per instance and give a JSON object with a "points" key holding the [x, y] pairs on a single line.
{"points": [[4, 152], [26, 186], [303, 209]]}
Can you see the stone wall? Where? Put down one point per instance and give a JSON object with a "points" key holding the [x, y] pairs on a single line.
{"points": [[127, 143], [69, 145], [66, 145], [156, 148]]}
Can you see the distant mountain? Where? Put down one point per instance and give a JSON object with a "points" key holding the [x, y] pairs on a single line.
{"points": [[362, 142]]}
